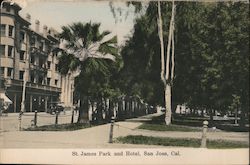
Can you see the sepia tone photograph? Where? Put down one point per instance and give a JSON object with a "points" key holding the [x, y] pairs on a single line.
{"points": [[124, 82]]}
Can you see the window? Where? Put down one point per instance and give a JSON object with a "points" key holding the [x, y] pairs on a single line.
{"points": [[32, 41], [9, 72], [22, 55], [41, 61], [10, 50], [2, 50], [56, 67], [3, 30], [46, 47], [32, 77], [48, 81], [2, 71], [40, 80], [54, 54], [11, 28], [21, 73], [8, 8], [49, 64], [41, 46], [22, 36], [37, 42], [32, 59], [56, 82]]}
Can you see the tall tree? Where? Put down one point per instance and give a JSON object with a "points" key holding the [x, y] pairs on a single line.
{"points": [[87, 51], [211, 50], [167, 70], [211, 65]]}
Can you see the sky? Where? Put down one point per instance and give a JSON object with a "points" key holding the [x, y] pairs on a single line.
{"points": [[56, 13]]}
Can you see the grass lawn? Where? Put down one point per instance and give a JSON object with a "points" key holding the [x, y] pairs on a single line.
{"points": [[181, 142], [59, 127], [163, 127], [182, 123]]}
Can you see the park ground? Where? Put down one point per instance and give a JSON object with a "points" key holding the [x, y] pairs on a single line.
{"points": [[94, 137]]}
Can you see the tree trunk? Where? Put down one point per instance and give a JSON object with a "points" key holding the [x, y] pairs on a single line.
{"points": [[174, 107], [83, 116], [202, 113], [211, 117], [236, 116], [100, 110], [242, 119], [168, 113]]}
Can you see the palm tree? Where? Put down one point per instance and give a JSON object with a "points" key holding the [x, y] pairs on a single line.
{"points": [[87, 52]]}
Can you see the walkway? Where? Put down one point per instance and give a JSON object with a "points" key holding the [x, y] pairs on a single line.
{"points": [[97, 137]]}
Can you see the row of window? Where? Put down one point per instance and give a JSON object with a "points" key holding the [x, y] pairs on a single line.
{"points": [[9, 72], [8, 8], [41, 80], [3, 30], [37, 42], [22, 57], [40, 44], [10, 50], [32, 77], [42, 63]]}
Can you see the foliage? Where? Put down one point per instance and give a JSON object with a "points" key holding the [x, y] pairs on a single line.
{"points": [[87, 49], [184, 142], [94, 56], [211, 56], [141, 55]]}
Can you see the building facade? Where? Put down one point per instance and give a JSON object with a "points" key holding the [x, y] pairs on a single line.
{"points": [[27, 54]]}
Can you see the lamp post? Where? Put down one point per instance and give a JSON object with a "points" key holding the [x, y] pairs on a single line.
{"points": [[11, 3]]}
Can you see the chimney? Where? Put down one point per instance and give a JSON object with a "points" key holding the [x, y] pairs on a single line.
{"points": [[37, 26], [51, 31], [28, 17], [45, 31]]}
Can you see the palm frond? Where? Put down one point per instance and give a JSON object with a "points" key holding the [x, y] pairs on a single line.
{"points": [[107, 49], [85, 41], [102, 35], [66, 34], [95, 32], [113, 40]]}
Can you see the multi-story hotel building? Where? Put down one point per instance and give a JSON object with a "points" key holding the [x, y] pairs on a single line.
{"points": [[28, 54]]}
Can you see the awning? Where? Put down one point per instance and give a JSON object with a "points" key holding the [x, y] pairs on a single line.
{"points": [[5, 98]]}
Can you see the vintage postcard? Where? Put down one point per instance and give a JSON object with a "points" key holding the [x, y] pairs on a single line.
{"points": [[124, 82]]}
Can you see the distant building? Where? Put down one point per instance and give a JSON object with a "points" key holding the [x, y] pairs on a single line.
{"points": [[23, 49]]}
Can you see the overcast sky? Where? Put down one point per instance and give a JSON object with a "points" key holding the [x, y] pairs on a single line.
{"points": [[55, 13]]}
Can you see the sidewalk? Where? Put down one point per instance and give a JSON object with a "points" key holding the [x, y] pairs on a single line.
{"points": [[10, 122], [97, 137]]}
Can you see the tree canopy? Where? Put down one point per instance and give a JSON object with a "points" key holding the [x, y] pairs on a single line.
{"points": [[211, 54]]}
